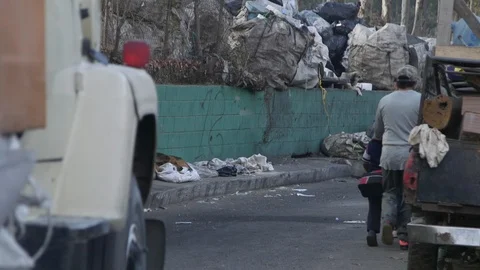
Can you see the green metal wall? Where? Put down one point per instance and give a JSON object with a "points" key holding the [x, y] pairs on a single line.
{"points": [[202, 122]]}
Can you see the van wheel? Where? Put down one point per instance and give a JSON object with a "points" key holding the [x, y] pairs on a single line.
{"points": [[125, 249], [422, 256]]}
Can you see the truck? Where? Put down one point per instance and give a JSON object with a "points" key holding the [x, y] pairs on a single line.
{"points": [[88, 128], [445, 229]]}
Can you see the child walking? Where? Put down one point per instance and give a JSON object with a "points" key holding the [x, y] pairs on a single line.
{"points": [[370, 186]]}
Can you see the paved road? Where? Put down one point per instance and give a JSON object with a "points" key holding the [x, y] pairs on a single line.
{"points": [[276, 229]]}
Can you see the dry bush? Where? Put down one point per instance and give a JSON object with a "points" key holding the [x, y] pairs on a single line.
{"points": [[208, 70]]}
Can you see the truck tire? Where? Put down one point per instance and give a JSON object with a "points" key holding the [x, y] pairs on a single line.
{"points": [[422, 256], [155, 243], [125, 249]]}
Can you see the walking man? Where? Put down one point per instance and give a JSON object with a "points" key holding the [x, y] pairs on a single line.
{"points": [[397, 115]]}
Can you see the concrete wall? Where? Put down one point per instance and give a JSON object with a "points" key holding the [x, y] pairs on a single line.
{"points": [[202, 122]]}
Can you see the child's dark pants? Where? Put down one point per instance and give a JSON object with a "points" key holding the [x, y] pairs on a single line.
{"points": [[374, 213]]}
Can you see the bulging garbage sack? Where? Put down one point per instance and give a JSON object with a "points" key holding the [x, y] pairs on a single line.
{"points": [[336, 46], [345, 145], [266, 51], [418, 50], [310, 18], [233, 6], [333, 11], [307, 75], [377, 55]]}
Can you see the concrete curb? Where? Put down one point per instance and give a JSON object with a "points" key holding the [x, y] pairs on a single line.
{"points": [[230, 185]]}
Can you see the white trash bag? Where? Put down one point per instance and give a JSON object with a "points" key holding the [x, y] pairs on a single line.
{"points": [[169, 173]]}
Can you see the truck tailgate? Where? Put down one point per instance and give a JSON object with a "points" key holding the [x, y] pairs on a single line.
{"points": [[457, 178]]}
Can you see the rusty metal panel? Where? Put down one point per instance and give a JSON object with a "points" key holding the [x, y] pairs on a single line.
{"points": [[22, 65], [457, 178]]}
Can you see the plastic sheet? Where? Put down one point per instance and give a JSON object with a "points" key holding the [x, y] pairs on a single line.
{"points": [[333, 11], [336, 46], [233, 6]]}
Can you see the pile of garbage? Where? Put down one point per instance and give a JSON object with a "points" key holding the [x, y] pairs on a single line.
{"points": [[275, 46], [261, 44], [176, 170], [377, 55], [334, 22], [345, 145], [271, 49]]}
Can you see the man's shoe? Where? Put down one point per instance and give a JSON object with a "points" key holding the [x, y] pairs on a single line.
{"points": [[387, 234], [403, 244], [372, 239]]}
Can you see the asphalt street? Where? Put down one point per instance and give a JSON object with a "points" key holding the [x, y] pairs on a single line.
{"points": [[315, 226]]}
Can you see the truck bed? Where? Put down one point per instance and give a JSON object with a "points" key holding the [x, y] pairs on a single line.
{"points": [[456, 181]]}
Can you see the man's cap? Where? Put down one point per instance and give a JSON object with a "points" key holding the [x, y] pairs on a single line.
{"points": [[407, 73]]}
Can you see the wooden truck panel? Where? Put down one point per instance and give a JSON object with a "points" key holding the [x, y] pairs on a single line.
{"points": [[22, 65]]}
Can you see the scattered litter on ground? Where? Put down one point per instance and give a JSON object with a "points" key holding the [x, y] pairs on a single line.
{"points": [[300, 189], [233, 167], [227, 171], [147, 210], [282, 188], [341, 161], [242, 193], [271, 196], [204, 171], [176, 170], [304, 195], [215, 199], [183, 222], [354, 222], [203, 201], [337, 219]]}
